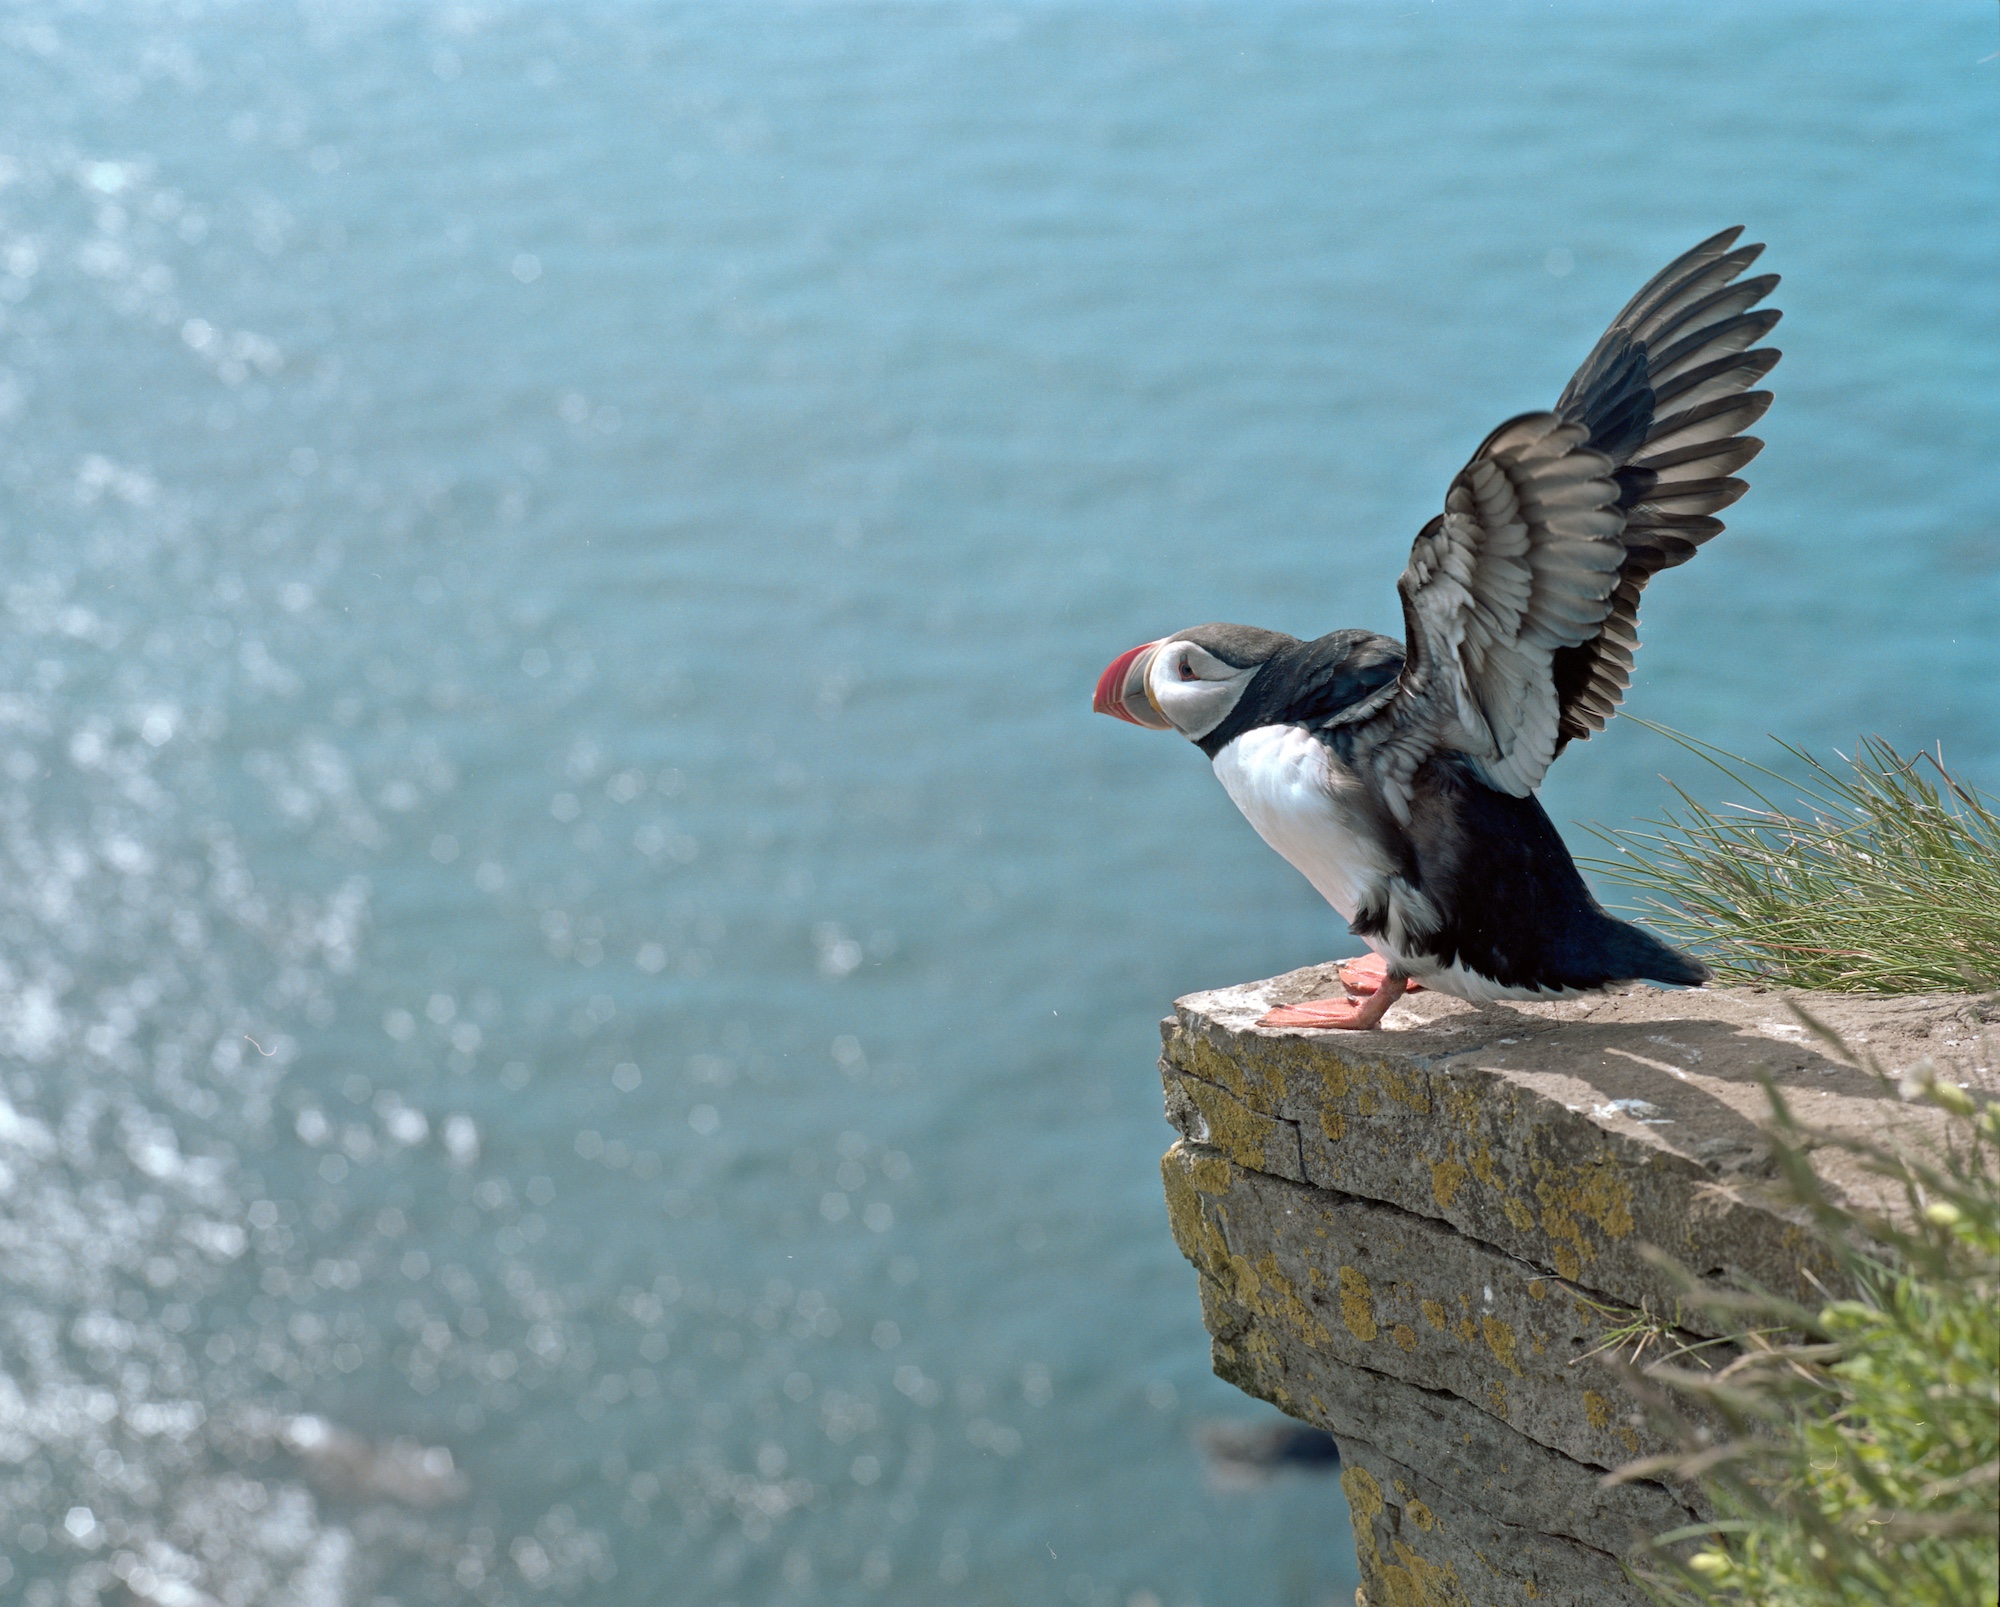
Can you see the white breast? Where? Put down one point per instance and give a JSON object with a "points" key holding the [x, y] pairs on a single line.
{"points": [[1292, 792]]}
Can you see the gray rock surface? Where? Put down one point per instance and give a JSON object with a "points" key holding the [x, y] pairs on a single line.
{"points": [[1569, 1134], [1419, 1546], [1336, 1283], [1415, 1238], [1461, 1448]]}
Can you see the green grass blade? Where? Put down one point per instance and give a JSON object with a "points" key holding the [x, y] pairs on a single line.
{"points": [[1882, 875]]}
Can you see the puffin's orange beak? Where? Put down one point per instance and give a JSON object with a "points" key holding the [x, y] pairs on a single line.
{"points": [[1121, 690]]}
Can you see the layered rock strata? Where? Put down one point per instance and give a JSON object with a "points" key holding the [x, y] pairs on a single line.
{"points": [[1421, 1239]]}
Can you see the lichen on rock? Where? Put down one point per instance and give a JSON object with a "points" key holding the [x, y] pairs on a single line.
{"points": [[1420, 1239]]}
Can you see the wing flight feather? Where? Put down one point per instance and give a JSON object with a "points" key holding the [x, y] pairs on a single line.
{"points": [[1521, 599]]}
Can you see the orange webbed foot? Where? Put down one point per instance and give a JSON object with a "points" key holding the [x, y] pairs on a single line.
{"points": [[1365, 975], [1347, 1015]]}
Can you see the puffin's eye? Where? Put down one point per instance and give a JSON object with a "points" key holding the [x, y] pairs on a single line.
{"points": [[1187, 671]]}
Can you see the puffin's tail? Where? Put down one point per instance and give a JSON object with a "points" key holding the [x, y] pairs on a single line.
{"points": [[1628, 953]]}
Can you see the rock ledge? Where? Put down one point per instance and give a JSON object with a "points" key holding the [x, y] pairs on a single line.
{"points": [[1416, 1238]]}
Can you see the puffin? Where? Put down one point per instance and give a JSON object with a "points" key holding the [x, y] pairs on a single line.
{"points": [[1399, 777]]}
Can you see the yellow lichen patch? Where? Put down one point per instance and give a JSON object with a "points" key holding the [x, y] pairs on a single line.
{"points": [[1183, 1208], [1241, 1133], [1594, 1191], [1560, 1226], [1497, 1393], [1500, 1340], [1447, 1177], [1364, 1495], [1430, 1584], [1333, 1124], [1483, 1167], [1409, 1581], [1421, 1516], [1210, 1174], [1408, 1090], [1537, 1290], [1404, 1335], [1263, 1353], [1596, 1408], [1518, 1214], [1461, 1104], [1365, 1101], [1335, 1074], [1466, 1331], [1293, 1066], [1434, 1314], [1200, 1239], [1357, 1305], [1194, 1054], [1279, 1301], [1264, 1289], [1236, 1274], [1631, 1440], [1537, 1344], [1573, 1195]]}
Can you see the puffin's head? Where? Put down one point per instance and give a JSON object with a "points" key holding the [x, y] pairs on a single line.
{"points": [[1189, 682]]}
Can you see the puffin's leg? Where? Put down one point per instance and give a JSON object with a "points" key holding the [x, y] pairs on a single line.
{"points": [[1355, 1015], [1365, 975]]}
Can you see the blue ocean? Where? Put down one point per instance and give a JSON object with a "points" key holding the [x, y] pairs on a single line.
{"points": [[578, 984]]}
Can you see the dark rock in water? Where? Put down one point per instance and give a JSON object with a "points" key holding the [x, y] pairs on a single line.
{"points": [[1249, 1453]]}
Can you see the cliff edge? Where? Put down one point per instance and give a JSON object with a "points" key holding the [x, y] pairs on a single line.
{"points": [[1416, 1238]]}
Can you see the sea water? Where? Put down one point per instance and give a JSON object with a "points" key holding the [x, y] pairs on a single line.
{"points": [[577, 983]]}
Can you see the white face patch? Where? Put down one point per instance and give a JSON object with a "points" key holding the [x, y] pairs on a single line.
{"points": [[1193, 688]]}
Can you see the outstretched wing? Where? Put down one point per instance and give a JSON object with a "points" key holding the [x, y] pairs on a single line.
{"points": [[1520, 566], [1521, 600], [1666, 396]]}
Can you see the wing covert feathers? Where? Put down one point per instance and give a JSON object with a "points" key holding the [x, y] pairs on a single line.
{"points": [[1522, 563], [1522, 599]]}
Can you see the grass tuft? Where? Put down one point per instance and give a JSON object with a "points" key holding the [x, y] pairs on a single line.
{"points": [[1859, 1464], [1882, 876]]}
